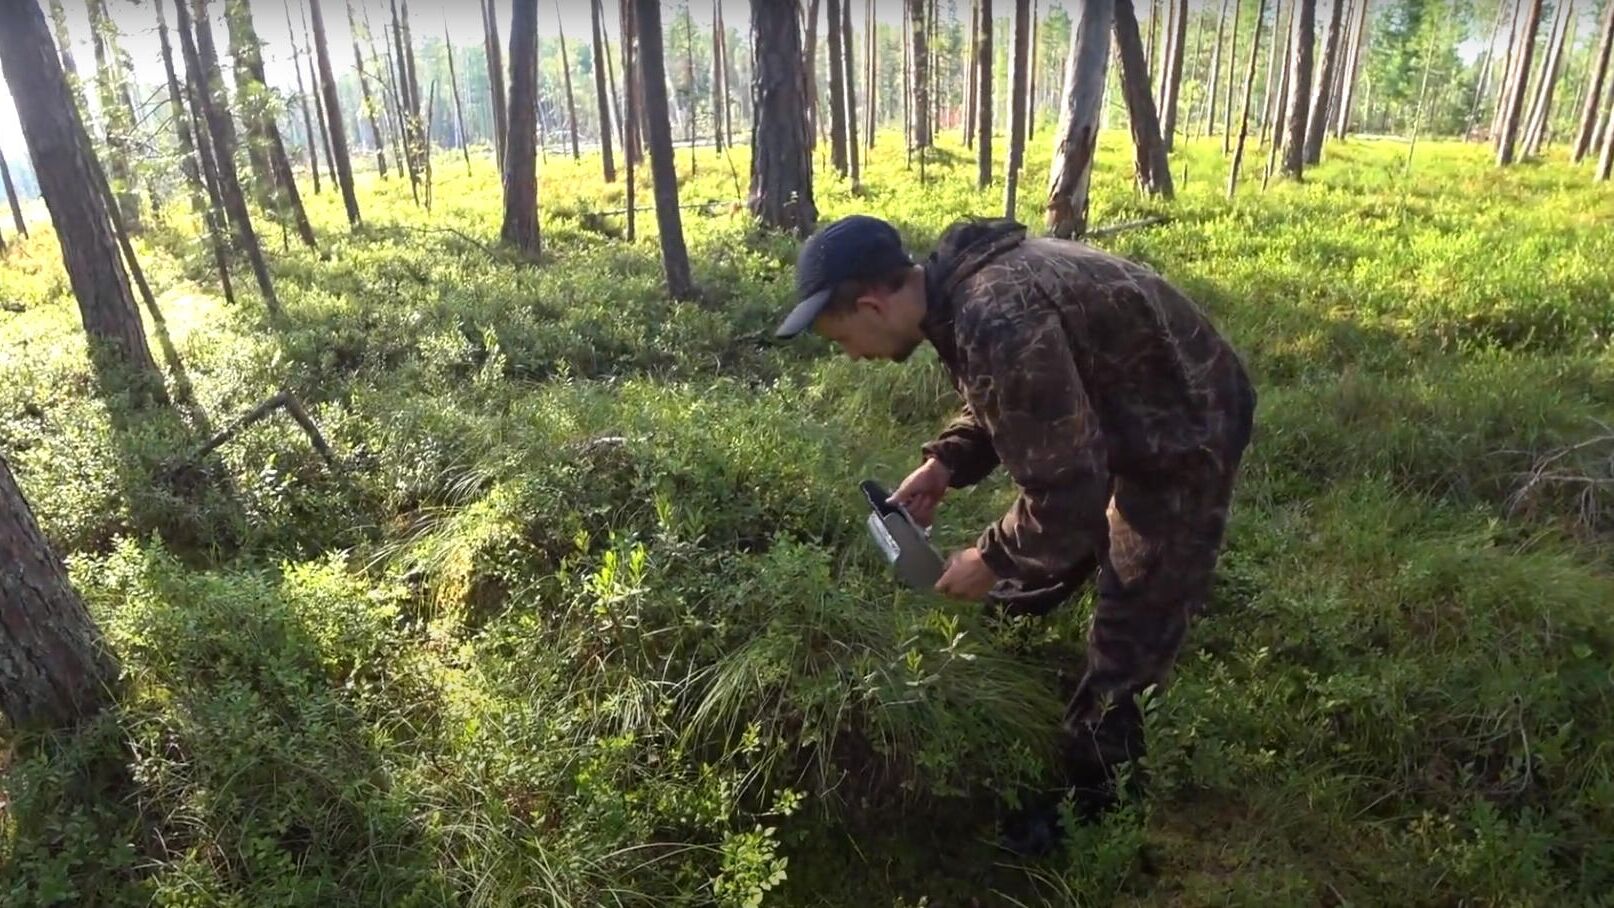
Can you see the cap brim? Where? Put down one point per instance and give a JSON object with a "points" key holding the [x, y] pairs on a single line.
{"points": [[801, 318]]}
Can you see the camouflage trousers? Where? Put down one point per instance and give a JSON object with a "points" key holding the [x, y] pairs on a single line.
{"points": [[1165, 537]]}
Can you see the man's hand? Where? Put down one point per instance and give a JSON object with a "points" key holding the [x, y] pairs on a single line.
{"points": [[923, 490], [966, 576]]}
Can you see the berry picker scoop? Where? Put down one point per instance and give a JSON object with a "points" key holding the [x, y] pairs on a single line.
{"points": [[905, 544]]}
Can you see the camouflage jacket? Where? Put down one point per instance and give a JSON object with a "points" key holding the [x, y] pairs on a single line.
{"points": [[1075, 366]]}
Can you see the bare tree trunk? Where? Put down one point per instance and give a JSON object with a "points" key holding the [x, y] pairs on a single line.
{"points": [[908, 132], [364, 89], [182, 124], [983, 95], [1550, 72], [1605, 162], [117, 111], [1172, 72], [1505, 87], [1483, 81], [1294, 163], [520, 228], [214, 218], [652, 73], [1031, 75], [630, 90], [1594, 90], [202, 62], [837, 88], [1085, 73], [718, 99], [1345, 97], [336, 129], [814, 117], [781, 138], [1199, 51], [610, 81], [1317, 125], [921, 75], [1515, 101], [490, 24], [1232, 64], [319, 99], [566, 69], [54, 667], [392, 104], [691, 101], [602, 97], [1215, 72], [1154, 27], [11, 195], [280, 188], [1153, 171], [1249, 88], [872, 78], [850, 59], [972, 66], [1275, 65], [302, 95], [1017, 103], [459, 111]]}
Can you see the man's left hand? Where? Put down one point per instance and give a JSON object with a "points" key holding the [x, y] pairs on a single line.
{"points": [[966, 576]]}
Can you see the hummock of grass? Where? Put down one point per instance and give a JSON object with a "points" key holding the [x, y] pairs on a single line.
{"points": [[589, 618]]}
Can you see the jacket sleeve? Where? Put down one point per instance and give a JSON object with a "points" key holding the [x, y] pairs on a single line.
{"points": [[965, 449], [1022, 384]]}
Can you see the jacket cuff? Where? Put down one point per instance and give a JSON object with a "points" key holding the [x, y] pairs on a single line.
{"points": [[995, 554], [964, 469]]}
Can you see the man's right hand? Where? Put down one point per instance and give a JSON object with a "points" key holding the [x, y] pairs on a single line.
{"points": [[923, 490]]}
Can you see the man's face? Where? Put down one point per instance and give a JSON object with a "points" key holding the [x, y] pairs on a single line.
{"points": [[880, 325]]}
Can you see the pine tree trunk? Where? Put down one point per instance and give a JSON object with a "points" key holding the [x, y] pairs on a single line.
{"points": [[1317, 122], [850, 59], [214, 216], [1232, 63], [459, 111], [1017, 103], [1215, 72], [393, 106], [610, 81], [652, 73], [11, 196], [1085, 73], [65, 167], [1347, 93], [814, 117], [921, 75], [907, 88], [635, 120], [1550, 72], [1249, 88], [1031, 75], [1172, 85], [1154, 27], [280, 190], [983, 96], [1597, 85], [178, 112], [1605, 161], [365, 94], [333, 108], [1300, 71], [871, 77], [520, 229], [116, 113], [1508, 138], [1483, 82], [566, 70], [837, 88], [1281, 97], [781, 193], [302, 95], [54, 667], [602, 96], [972, 66], [495, 80], [1153, 171], [1510, 70], [1275, 64], [202, 62]]}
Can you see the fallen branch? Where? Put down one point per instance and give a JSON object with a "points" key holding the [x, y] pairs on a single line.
{"points": [[705, 205], [283, 400], [1124, 226]]}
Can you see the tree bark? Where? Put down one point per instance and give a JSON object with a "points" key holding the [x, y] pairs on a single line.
{"points": [[634, 120], [983, 96], [1317, 124], [320, 115], [262, 129], [1346, 97], [602, 95], [1077, 141], [1594, 89], [364, 89], [335, 128], [459, 111], [1249, 88], [907, 87], [1550, 72], [1154, 27], [849, 58], [1017, 103], [1294, 159], [1215, 72], [1481, 83], [719, 100], [566, 70], [1275, 64], [495, 62], [11, 196], [201, 60], [214, 218], [1153, 171], [972, 68], [781, 193], [520, 228], [116, 112], [1605, 162], [921, 75], [1506, 141], [54, 667], [872, 77], [64, 166], [251, 100], [1510, 70], [814, 119], [182, 123], [663, 169], [302, 95], [837, 88], [1172, 83], [1031, 75]]}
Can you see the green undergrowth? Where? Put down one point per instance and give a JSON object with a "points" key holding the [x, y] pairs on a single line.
{"points": [[587, 614]]}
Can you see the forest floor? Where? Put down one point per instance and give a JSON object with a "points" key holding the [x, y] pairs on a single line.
{"points": [[588, 616]]}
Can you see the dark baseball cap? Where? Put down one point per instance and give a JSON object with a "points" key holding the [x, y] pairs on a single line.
{"points": [[858, 247]]}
